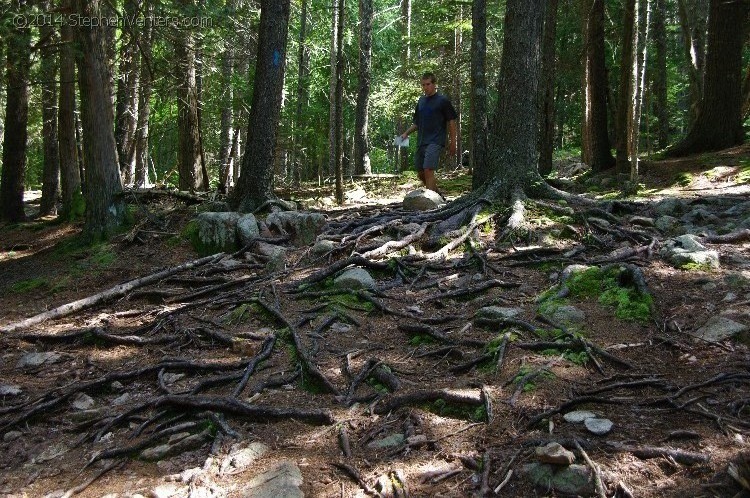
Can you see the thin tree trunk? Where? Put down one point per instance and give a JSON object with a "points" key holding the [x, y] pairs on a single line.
{"points": [[641, 30], [303, 84], [625, 87], [144, 104], [660, 75], [126, 106], [332, 89], [547, 118], [70, 174], [48, 70], [361, 140], [339, 105], [16, 121], [693, 14], [404, 122], [478, 102], [104, 206], [596, 146], [456, 100]]}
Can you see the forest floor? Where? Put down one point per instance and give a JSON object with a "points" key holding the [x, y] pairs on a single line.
{"points": [[144, 395]]}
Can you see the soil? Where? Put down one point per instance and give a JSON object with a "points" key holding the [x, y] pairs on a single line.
{"points": [[48, 441]]}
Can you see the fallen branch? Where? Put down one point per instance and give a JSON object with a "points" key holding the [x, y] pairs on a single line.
{"points": [[647, 452], [107, 295], [391, 403]]}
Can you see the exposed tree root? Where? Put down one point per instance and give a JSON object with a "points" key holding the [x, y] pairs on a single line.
{"points": [[393, 402]]}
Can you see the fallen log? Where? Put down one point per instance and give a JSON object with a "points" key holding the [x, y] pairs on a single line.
{"points": [[108, 295]]}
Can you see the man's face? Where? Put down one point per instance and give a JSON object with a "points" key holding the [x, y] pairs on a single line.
{"points": [[429, 87]]}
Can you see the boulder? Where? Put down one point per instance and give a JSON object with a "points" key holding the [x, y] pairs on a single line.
{"points": [[575, 480], [322, 247], [567, 315], [423, 199], [276, 255], [719, 328], [555, 454], [497, 312], [247, 229], [302, 226], [666, 223], [282, 481], [216, 232], [686, 250], [354, 279]]}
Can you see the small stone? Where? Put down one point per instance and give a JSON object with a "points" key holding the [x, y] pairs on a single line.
{"points": [[578, 416], [340, 328], [497, 312], [241, 459], [11, 436], [719, 328], [83, 402], [709, 286], [171, 378], [598, 426], [282, 481], [32, 360], [387, 442], [122, 399], [116, 386], [730, 297], [355, 278], [568, 314], [168, 491], [422, 199], [417, 440], [10, 390], [322, 247], [555, 454]]}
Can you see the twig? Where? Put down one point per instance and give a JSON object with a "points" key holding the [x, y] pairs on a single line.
{"points": [[596, 471]]}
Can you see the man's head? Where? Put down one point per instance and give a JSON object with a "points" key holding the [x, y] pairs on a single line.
{"points": [[429, 84]]}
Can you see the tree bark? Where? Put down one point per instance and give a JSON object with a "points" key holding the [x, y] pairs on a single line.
{"points": [[660, 74], [48, 71], [303, 90], [404, 122], [144, 102], [126, 106], [254, 185], [478, 102], [16, 121], [361, 140], [719, 121], [226, 134], [104, 206], [693, 15], [339, 105], [625, 87], [332, 89], [547, 118], [513, 155], [597, 151], [70, 175], [641, 32]]}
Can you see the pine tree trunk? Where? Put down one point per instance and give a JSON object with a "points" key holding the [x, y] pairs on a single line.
{"points": [[547, 118], [404, 122], [693, 15], [719, 121], [456, 98], [660, 74], [339, 105], [641, 29], [16, 121], [70, 175], [104, 206], [332, 89], [48, 71], [303, 84], [596, 147], [625, 87], [144, 104], [126, 106], [361, 141], [254, 185], [227, 110], [478, 102], [513, 155]]}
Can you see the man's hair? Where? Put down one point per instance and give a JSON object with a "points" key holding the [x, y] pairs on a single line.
{"points": [[429, 76]]}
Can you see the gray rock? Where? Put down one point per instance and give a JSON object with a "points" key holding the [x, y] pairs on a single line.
{"points": [[276, 255], [169, 490], [122, 399], [214, 207], [322, 247], [387, 442], [719, 328], [670, 206], [217, 232], [116, 386], [11, 436], [730, 297], [10, 390], [241, 459], [340, 328], [599, 221], [33, 360], [497, 312], [51, 452], [598, 426], [176, 447], [568, 314], [355, 278], [302, 226], [571, 480], [555, 454], [171, 378], [422, 199], [571, 270], [578, 416], [700, 215], [283, 481], [686, 249], [83, 402], [666, 224], [247, 229]]}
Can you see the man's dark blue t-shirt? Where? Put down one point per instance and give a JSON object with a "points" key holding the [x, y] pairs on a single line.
{"points": [[431, 116]]}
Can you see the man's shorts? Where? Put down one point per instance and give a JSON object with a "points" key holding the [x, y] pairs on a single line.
{"points": [[428, 156]]}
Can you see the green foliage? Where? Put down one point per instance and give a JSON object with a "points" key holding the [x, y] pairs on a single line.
{"points": [[692, 266], [419, 339], [457, 410], [630, 304], [240, 314], [683, 179], [24, 286]]}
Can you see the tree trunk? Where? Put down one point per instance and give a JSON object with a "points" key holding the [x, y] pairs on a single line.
{"points": [[513, 154], [660, 74], [332, 89], [403, 123], [547, 118], [456, 99], [189, 160], [104, 206], [144, 103], [693, 15], [254, 185], [719, 121], [478, 101], [303, 85], [361, 141], [641, 31], [625, 87], [126, 107], [70, 175], [596, 147], [16, 121], [339, 105], [48, 72]]}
